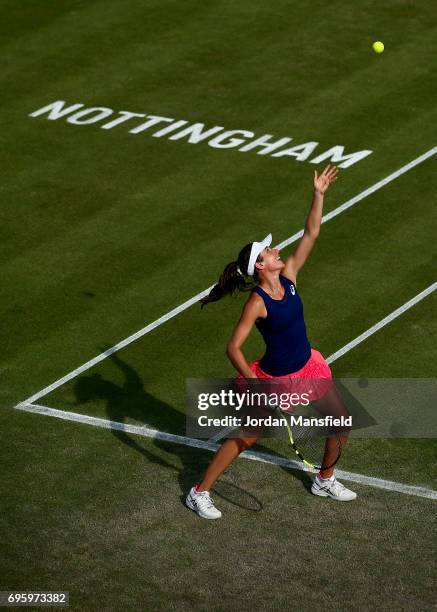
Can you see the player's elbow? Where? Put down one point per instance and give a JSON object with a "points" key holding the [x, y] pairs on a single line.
{"points": [[231, 348], [312, 233]]}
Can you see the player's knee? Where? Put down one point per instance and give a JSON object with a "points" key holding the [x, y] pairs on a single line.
{"points": [[246, 442]]}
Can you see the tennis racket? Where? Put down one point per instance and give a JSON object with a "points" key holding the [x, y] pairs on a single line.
{"points": [[317, 447]]}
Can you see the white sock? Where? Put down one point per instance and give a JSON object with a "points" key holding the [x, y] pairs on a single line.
{"points": [[331, 478]]}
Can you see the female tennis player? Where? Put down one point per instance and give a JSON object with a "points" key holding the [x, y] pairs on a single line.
{"points": [[274, 305]]}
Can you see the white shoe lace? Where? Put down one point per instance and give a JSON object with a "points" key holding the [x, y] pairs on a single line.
{"points": [[336, 487], [204, 500]]}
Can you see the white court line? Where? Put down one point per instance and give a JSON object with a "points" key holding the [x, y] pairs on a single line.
{"points": [[378, 483], [211, 444], [353, 343], [365, 193], [396, 313], [199, 296]]}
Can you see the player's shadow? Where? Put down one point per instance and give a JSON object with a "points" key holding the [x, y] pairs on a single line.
{"points": [[129, 402]]}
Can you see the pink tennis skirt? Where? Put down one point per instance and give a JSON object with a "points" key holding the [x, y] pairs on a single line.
{"points": [[315, 378]]}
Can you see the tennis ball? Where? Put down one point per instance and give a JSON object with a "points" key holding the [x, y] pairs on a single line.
{"points": [[378, 46]]}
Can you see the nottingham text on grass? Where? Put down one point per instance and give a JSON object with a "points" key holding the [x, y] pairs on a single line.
{"points": [[216, 136]]}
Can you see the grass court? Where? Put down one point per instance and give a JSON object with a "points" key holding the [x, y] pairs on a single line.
{"points": [[104, 231]]}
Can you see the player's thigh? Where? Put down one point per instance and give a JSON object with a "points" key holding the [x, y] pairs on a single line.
{"points": [[331, 404]]}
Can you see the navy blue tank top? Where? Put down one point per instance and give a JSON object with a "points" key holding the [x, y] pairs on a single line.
{"points": [[284, 332]]}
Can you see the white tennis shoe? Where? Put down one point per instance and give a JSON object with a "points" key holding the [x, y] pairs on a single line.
{"points": [[202, 503], [331, 488]]}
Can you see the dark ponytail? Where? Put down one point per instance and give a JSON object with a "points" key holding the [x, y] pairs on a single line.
{"points": [[233, 278]]}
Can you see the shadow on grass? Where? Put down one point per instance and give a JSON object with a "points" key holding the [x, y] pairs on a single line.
{"points": [[131, 401]]}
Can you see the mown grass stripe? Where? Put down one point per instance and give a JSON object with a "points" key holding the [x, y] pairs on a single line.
{"points": [[378, 483], [151, 326]]}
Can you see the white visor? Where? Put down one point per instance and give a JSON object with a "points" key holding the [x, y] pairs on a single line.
{"points": [[257, 247]]}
